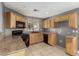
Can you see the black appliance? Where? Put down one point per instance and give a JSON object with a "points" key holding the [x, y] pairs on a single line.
{"points": [[25, 38], [20, 24], [17, 32], [45, 36]]}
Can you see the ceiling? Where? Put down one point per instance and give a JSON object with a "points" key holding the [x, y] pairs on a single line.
{"points": [[42, 9]]}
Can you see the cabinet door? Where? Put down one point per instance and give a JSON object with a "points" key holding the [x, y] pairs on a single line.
{"points": [[73, 20], [13, 20], [57, 18], [40, 37], [52, 23], [68, 46], [20, 18], [64, 17], [52, 39], [46, 23], [32, 38], [71, 46]]}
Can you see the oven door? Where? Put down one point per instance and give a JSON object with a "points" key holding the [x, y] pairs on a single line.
{"points": [[20, 24]]}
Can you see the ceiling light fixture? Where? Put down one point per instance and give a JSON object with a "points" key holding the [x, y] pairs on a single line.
{"points": [[35, 10]]}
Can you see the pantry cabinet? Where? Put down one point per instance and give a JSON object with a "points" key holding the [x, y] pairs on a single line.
{"points": [[52, 39], [71, 45]]}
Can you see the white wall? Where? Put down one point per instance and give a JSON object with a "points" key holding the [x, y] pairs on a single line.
{"points": [[36, 21]]}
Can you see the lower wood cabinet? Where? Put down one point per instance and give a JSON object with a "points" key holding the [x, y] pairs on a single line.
{"points": [[71, 45], [35, 37], [52, 39]]}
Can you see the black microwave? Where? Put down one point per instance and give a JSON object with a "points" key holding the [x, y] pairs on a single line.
{"points": [[20, 24]]}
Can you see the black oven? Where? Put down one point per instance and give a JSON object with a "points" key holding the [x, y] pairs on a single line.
{"points": [[20, 24]]}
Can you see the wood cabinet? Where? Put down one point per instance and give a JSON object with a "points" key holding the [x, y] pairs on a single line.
{"points": [[49, 23], [73, 20], [61, 18], [11, 18], [52, 23], [71, 45], [36, 37], [20, 18], [70, 17], [10, 21], [46, 24], [52, 39]]}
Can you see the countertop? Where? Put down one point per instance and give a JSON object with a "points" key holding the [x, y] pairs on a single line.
{"points": [[11, 44]]}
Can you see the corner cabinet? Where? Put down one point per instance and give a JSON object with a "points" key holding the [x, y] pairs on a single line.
{"points": [[73, 20], [10, 20]]}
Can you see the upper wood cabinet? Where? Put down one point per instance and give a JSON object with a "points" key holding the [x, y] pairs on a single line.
{"points": [[61, 18], [20, 18], [49, 23], [46, 24], [73, 20], [52, 23], [70, 17], [10, 20]]}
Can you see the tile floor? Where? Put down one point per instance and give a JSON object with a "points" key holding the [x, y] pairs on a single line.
{"points": [[42, 49]]}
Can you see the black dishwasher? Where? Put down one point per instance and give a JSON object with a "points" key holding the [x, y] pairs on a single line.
{"points": [[45, 36], [25, 38]]}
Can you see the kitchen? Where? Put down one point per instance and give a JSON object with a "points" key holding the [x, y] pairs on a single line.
{"points": [[23, 31]]}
